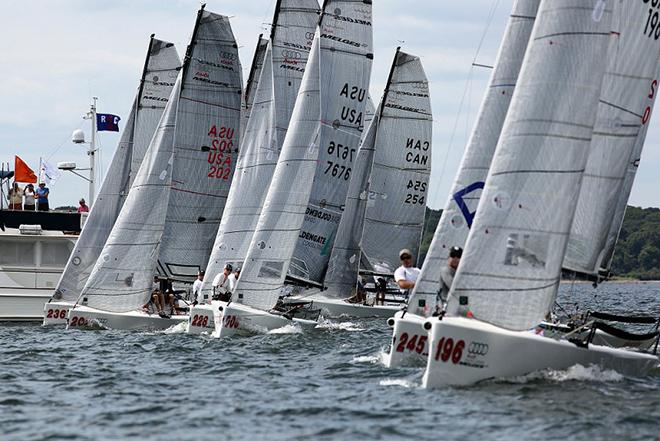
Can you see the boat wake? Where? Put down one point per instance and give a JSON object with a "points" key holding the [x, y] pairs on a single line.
{"points": [[399, 382], [380, 357], [574, 373], [340, 326], [288, 329], [179, 328]]}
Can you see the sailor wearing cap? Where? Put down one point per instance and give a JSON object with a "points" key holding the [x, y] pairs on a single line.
{"points": [[197, 288], [221, 283], [406, 275], [447, 273]]}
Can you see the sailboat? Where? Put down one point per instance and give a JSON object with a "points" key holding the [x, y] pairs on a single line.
{"points": [[273, 93], [510, 270], [459, 211], [161, 67], [387, 194], [302, 209], [172, 210]]}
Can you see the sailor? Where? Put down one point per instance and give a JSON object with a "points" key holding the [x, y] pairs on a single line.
{"points": [[448, 271], [406, 275], [221, 284], [233, 279], [197, 288]]}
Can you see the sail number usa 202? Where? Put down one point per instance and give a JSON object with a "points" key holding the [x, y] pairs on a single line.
{"points": [[219, 157]]}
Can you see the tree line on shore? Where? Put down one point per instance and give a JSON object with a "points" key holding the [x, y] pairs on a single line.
{"points": [[637, 254]]}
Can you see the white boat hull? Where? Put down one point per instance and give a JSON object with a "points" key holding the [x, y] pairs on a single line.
{"points": [[23, 304], [337, 308], [236, 317], [55, 313], [83, 317], [203, 317], [409, 340], [466, 351]]}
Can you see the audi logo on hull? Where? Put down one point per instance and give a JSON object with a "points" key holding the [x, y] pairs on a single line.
{"points": [[476, 348]]}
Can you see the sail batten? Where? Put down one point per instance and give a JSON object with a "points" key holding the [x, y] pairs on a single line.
{"points": [[521, 224]]}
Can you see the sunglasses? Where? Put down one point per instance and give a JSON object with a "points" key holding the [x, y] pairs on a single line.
{"points": [[406, 257]]}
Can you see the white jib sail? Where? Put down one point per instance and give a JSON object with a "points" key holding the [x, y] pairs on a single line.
{"points": [[283, 66], [402, 164], [155, 88], [205, 144], [324, 127], [511, 266], [458, 212], [122, 277], [624, 112]]}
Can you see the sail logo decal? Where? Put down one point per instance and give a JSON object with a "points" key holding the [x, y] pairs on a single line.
{"points": [[341, 40], [459, 198]]}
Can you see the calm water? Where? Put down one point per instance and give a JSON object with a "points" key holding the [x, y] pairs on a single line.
{"points": [[327, 383]]}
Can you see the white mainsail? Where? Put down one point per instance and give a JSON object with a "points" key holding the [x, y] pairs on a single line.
{"points": [[205, 146], [281, 74], [344, 61], [161, 71], [325, 126], [164, 220], [399, 180], [458, 212], [252, 81], [510, 270], [624, 113], [155, 87]]}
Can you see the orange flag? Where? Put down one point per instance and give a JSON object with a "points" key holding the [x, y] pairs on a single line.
{"points": [[23, 173]]}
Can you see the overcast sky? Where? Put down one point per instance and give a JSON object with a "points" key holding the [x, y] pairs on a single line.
{"points": [[57, 54]]}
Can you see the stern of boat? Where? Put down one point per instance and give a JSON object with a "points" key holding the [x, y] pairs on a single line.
{"points": [[55, 313], [409, 340]]}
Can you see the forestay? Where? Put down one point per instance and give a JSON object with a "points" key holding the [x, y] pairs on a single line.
{"points": [[325, 127], [344, 68], [510, 270], [624, 112], [205, 145], [153, 92], [283, 66], [402, 164], [458, 212]]}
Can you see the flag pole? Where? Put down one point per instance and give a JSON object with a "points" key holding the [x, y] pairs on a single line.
{"points": [[92, 151]]}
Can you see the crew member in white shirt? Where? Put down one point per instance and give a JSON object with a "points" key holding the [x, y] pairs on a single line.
{"points": [[406, 275], [221, 284], [197, 288], [233, 279]]}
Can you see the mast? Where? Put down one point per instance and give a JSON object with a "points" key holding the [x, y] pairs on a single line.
{"points": [[253, 71], [145, 67], [190, 47]]}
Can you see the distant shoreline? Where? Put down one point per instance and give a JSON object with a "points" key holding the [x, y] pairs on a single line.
{"points": [[614, 280]]}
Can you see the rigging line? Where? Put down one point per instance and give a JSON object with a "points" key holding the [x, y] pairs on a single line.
{"points": [[64, 141], [489, 20]]}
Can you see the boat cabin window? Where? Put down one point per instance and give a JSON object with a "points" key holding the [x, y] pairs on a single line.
{"points": [[17, 253], [55, 254]]}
